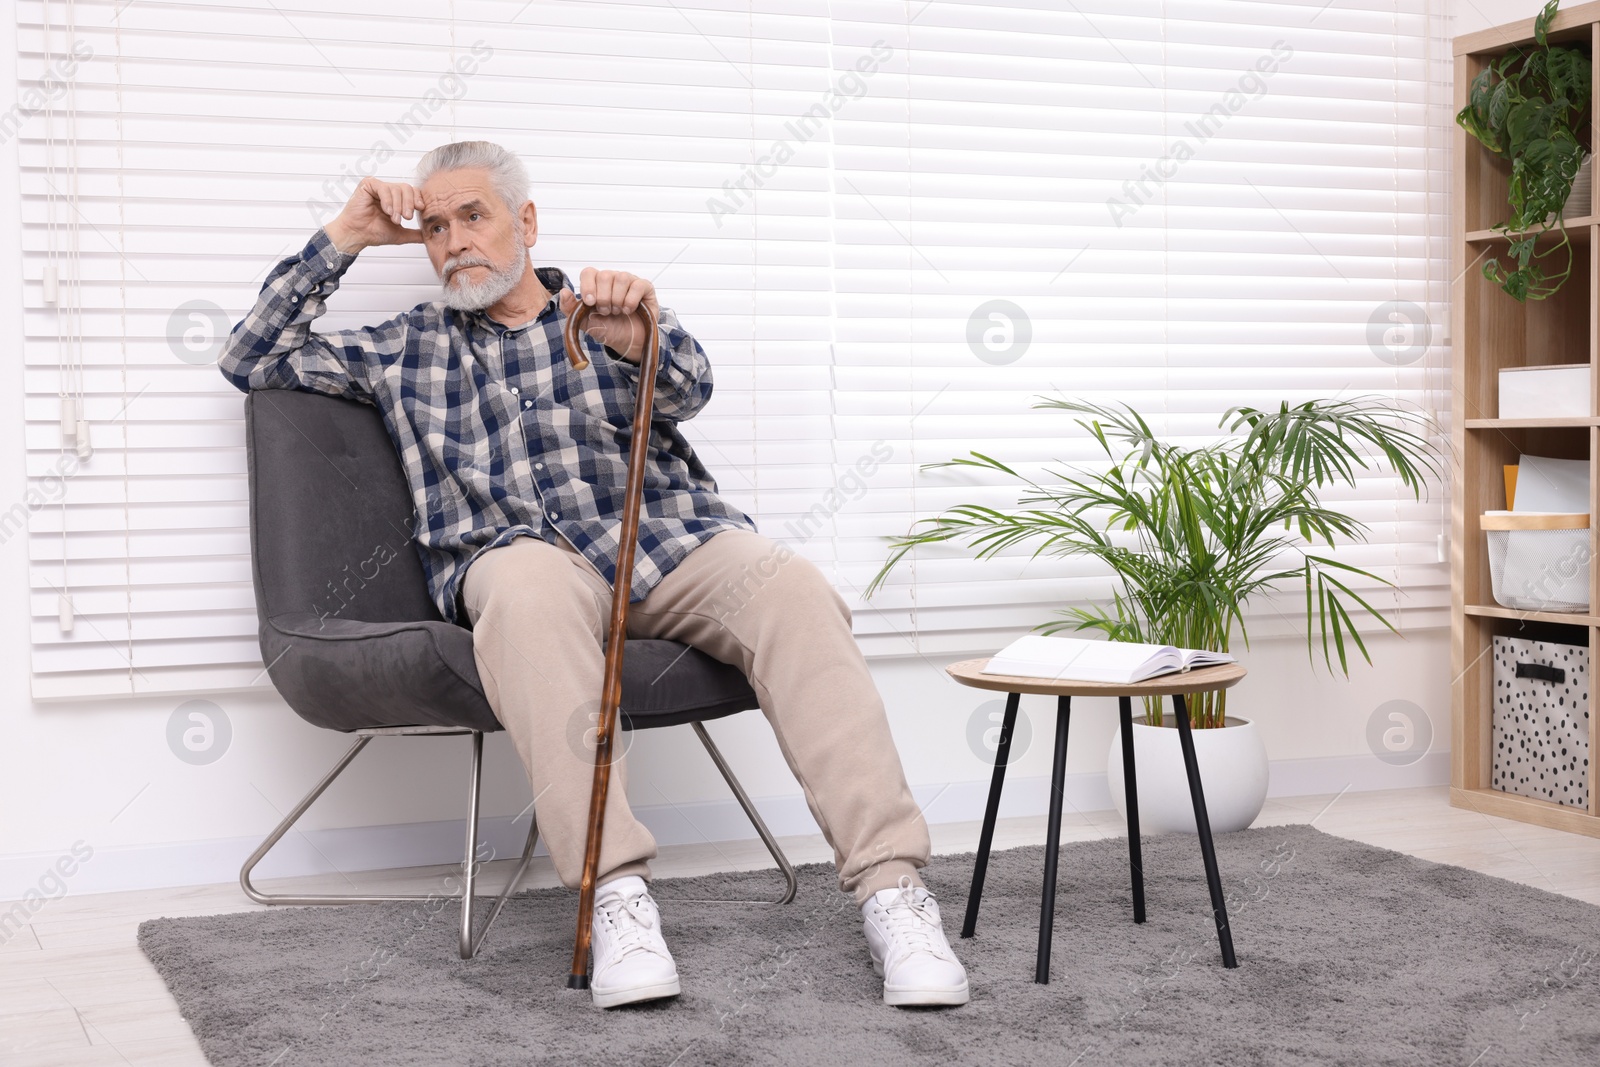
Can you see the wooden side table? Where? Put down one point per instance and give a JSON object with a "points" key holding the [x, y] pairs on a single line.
{"points": [[1224, 676]]}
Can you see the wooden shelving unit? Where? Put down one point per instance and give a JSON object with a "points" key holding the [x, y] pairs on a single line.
{"points": [[1492, 331]]}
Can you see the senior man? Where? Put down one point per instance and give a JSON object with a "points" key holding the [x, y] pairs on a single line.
{"points": [[517, 464]]}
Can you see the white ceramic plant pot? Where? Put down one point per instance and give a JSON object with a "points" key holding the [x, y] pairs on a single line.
{"points": [[1233, 774]]}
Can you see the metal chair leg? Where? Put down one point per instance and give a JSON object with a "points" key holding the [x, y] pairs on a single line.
{"points": [[469, 945], [792, 883], [980, 868], [469, 866], [470, 949], [1052, 842], [1131, 800], [1219, 907], [283, 828]]}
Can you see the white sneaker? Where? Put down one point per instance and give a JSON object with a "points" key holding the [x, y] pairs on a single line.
{"points": [[631, 961], [908, 946]]}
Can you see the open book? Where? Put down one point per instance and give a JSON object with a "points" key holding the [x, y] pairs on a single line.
{"points": [[1082, 660]]}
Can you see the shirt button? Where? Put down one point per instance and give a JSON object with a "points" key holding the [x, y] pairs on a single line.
{"points": [[555, 515], [514, 389], [527, 403], [538, 466]]}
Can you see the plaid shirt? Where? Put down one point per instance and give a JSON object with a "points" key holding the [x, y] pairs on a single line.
{"points": [[500, 438]]}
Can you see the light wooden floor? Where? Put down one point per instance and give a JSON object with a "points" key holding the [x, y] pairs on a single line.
{"points": [[75, 989]]}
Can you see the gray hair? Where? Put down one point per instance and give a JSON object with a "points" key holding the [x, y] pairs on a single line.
{"points": [[507, 175]]}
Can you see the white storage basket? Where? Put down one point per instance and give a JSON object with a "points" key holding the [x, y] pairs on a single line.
{"points": [[1538, 561]]}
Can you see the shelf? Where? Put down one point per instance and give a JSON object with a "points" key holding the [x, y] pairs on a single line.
{"points": [[1571, 26], [1490, 332], [1495, 611], [1577, 231], [1530, 424]]}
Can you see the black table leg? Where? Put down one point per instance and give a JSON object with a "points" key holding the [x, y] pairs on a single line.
{"points": [[1202, 824], [1131, 789], [1052, 841], [1002, 755]]}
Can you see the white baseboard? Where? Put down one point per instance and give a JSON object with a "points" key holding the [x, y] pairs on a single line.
{"points": [[364, 848]]}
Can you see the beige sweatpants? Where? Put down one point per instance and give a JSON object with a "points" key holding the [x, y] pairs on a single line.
{"points": [[539, 616]]}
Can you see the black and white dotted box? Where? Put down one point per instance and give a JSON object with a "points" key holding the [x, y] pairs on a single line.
{"points": [[1541, 720]]}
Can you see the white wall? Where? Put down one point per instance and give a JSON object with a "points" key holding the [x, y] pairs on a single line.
{"points": [[102, 772], [1470, 16]]}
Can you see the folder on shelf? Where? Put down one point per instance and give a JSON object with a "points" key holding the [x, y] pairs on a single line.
{"points": [[1545, 484]]}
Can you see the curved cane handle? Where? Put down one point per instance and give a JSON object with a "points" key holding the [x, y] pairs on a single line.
{"points": [[580, 315]]}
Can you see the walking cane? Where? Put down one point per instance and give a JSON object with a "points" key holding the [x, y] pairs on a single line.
{"points": [[611, 694]]}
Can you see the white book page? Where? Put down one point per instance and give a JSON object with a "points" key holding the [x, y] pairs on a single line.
{"points": [[1074, 657], [1081, 659]]}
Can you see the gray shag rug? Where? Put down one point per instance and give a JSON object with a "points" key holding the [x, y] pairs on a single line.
{"points": [[1348, 954]]}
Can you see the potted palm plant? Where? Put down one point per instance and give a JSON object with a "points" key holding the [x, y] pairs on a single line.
{"points": [[1190, 535]]}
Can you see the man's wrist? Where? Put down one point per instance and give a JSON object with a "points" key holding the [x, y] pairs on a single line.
{"points": [[623, 357], [341, 239]]}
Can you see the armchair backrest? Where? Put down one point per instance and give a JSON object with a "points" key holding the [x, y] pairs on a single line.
{"points": [[330, 512]]}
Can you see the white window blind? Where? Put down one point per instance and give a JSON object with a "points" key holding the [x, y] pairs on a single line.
{"points": [[1182, 206], [824, 197], [213, 138]]}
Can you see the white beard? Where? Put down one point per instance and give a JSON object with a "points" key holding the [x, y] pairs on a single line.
{"points": [[467, 295]]}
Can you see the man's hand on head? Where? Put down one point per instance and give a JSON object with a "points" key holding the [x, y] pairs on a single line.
{"points": [[374, 216], [615, 296]]}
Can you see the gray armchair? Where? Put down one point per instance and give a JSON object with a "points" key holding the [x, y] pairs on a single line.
{"points": [[354, 643]]}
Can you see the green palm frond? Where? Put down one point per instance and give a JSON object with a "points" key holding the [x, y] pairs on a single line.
{"points": [[1191, 534]]}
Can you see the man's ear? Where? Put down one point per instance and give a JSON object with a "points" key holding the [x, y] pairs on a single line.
{"points": [[529, 217]]}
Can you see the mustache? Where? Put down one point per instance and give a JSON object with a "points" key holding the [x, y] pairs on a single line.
{"points": [[453, 265]]}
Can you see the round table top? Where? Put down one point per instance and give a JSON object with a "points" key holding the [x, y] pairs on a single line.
{"points": [[1199, 680]]}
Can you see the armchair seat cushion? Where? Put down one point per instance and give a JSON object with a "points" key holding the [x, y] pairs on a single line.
{"points": [[343, 674], [666, 683], [347, 675]]}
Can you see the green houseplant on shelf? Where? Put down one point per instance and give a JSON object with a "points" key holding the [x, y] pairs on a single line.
{"points": [[1528, 107], [1191, 533]]}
